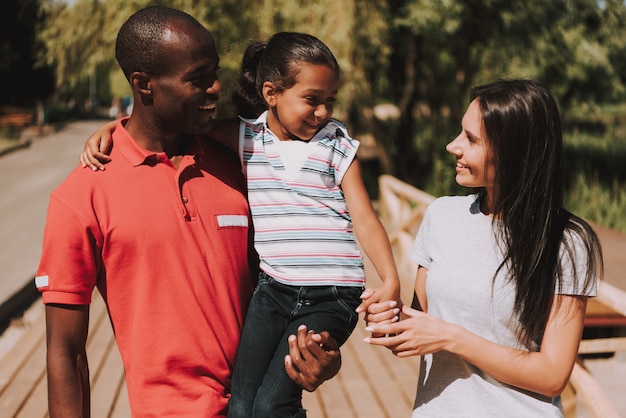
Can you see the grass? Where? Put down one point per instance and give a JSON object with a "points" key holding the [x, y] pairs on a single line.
{"points": [[595, 151]]}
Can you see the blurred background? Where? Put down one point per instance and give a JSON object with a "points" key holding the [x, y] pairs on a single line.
{"points": [[407, 67]]}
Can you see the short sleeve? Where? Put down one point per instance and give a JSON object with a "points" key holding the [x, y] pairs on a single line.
{"points": [[68, 267], [574, 264], [420, 252], [344, 148]]}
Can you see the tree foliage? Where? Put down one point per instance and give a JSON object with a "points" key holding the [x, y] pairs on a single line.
{"points": [[420, 55], [443, 47]]}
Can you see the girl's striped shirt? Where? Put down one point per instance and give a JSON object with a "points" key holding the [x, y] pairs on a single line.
{"points": [[303, 231]]}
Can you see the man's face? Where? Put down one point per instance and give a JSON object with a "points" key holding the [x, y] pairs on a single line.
{"points": [[186, 93]]}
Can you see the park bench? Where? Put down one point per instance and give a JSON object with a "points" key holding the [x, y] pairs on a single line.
{"points": [[14, 117]]}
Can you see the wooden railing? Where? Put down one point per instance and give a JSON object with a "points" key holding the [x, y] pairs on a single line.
{"points": [[401, 210]]}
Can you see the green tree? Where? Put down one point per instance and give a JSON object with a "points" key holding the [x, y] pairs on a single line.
{"points": [[420, 55], [442, 48]]}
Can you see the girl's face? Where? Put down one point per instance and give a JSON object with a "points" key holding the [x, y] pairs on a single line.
{"points": [[299, 111], [474, 167]]}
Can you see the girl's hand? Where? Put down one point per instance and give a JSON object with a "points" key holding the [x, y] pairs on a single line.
{"points": [[388, 292], [384, 312], [417, 333], [98, 146]]}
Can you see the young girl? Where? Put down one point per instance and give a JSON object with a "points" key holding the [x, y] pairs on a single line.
{"points": [[504, 274], [308, 202]]}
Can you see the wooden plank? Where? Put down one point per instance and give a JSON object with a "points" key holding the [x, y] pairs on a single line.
{"points": [[602, 345], [334, 398], [105, 363], [99, 339], [378, 367], [14, 360], [106, 388], [612, 296], [599, 314], [36, 405], [18, 392], [352, 385], [121, 408], [592, 394], [25, 379], [569, 401]]}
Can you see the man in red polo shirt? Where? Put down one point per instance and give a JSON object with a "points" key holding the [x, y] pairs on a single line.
{"points": [[164, 234]]}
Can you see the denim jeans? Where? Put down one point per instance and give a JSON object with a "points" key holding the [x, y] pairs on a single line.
{"points": [[261, 387]]}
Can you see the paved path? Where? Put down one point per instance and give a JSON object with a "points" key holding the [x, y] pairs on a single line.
{"points": [[27, 176]]}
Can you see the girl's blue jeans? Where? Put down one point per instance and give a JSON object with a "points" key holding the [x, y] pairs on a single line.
{"points": [[261, 387]]}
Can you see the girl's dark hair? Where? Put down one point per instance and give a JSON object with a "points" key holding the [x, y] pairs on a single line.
{"points": [[522, 125], [276, 61]]}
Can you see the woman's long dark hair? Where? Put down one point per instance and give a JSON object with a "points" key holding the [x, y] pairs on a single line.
{"points": [[537, 235], [276, 61]]}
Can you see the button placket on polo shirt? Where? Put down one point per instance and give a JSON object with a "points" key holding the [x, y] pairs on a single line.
{"points": [[183, 175]]}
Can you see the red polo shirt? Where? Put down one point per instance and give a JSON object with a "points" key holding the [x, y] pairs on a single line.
{"points": [[168, 250]]}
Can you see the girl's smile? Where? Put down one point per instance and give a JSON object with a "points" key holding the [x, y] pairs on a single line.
{"points": [[302, 109]]}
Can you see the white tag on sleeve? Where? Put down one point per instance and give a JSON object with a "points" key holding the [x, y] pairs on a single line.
{"points": [[41, 281]]}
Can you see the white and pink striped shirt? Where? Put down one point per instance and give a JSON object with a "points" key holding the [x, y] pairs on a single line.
{"points": [[303, 231]]}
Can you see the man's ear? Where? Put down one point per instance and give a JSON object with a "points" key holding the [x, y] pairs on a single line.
{"points": [[142, 84], [270, 93]]}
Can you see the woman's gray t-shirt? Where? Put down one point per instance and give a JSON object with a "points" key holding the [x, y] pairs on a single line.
{"points": [[456, 243]]}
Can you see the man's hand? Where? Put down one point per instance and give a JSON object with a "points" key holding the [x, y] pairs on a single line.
{"points": [[313, 358]]}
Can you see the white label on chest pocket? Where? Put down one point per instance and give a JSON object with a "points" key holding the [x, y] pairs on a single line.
{"points": [[232, 220]]}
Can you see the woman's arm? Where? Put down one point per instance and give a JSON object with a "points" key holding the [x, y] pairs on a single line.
{"points": [[371, 236], [546, 372]]}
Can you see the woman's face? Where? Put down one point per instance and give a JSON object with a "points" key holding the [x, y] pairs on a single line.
{"points": [[474, 167]]}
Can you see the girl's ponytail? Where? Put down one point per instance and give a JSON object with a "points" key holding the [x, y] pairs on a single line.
{"points": [[247, 96]]}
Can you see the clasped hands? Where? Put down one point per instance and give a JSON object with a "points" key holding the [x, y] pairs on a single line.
{"points": [[404, 330]]}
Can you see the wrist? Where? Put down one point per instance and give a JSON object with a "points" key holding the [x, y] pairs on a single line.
{"points": [[391, 284], [453, 338]]}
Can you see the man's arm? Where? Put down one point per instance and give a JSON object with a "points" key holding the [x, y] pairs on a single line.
{"points": [[313, 358], [68, 372]]}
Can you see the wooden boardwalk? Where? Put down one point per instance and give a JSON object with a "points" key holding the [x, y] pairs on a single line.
{"points": [[372, 382]]}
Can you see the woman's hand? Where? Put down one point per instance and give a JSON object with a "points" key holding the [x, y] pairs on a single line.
{"points": [[417, 333]]}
